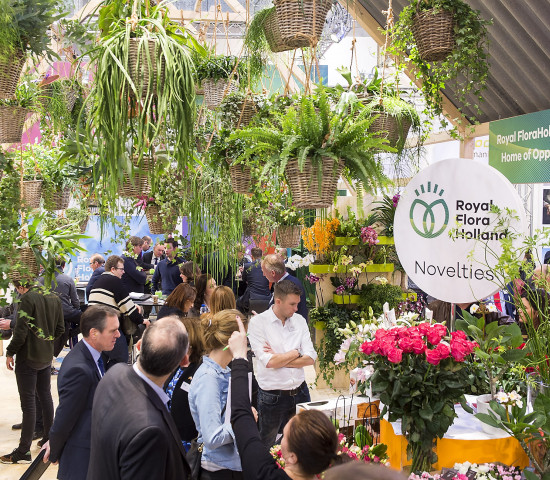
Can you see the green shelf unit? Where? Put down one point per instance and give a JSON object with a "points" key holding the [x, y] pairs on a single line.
{"points": [[410, 295], [345, 299], [339, 241], [382, 268]]}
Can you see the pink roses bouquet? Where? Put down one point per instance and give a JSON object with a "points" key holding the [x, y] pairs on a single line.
{"points": [[419, 373]]}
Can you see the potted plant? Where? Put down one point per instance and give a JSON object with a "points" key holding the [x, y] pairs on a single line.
{"points": [[312, 144], [238, 108], [219, 75], [24, 31], [143, 66], [464, 60], [14, 112], [289, 222]]}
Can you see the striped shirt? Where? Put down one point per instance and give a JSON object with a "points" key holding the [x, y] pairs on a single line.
{"points": [[108, 290]]}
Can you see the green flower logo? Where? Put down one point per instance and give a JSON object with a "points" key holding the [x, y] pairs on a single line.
{"points": [[434, 215]]}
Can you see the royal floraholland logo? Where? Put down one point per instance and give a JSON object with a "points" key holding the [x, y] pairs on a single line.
{"points": [[434, 215]]}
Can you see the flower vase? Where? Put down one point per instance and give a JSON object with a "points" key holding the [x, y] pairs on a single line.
{"points": [[482, 403]]}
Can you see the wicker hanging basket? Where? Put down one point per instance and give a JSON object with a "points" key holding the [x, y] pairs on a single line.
{"points": [[301, 22], [241, 178], [139, 184], [10, 71], [84, 224], [143, 77], [214, 91], [247, 110], [289, 236], [155, 220], [391, 128], [29, 268], [31, 191], [12, 120], [304, 186], [273, 34], [59, 200], [434, 34], [71, 95]]}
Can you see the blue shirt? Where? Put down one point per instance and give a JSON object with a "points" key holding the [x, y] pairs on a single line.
{"points": [[168, 273], [207, 399], [95, 355]]}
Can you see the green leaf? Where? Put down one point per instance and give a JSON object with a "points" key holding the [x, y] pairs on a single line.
{"points": [[426, 413], [488, 419]]}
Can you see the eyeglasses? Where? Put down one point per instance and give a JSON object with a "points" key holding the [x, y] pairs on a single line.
{"points": [[120, 268]]}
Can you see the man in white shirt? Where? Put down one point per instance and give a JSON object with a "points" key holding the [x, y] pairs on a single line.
{"points": [[282, 344]]}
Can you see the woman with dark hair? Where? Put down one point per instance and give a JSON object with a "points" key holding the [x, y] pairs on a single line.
{"points": [[189, 272], [179, 302], [354, 470], [177, 386], [310, 442], [205, 287]]}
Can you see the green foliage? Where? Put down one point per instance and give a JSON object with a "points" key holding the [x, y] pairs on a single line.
{"points": [[497, 345], [24, 26], [220, 66], [312, 130], [334, 317], [27, 95], [231, 107], [385, 213], [115, 97], [466, 67], [351, 226], [256, 44], [374, 295]]}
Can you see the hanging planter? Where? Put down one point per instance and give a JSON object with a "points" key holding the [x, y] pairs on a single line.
{"points": [[238, 109], [10, 71], [304, 184], [301, 22], [59, 200], [433, 32], [29, 266], [12, 120], [139, 184], [216, 89], [143, 75], [241, 178], [158, 222], [289, 236], [31, 191], [273, 34], [391, 128]]}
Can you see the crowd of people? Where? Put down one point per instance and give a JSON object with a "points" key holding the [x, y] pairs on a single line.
{"points": [[195, 403]]}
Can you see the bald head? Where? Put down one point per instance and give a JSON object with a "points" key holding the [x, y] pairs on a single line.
{"points": [[163, 346], [273, 267]]}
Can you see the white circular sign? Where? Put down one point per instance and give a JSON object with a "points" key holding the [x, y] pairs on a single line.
{"points": [[444, 228]]}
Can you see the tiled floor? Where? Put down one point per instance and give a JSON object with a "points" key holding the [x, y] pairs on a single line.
{"points": [[11, 413]]}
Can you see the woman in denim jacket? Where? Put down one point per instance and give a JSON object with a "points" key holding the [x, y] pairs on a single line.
{"points": [[208, 400]]}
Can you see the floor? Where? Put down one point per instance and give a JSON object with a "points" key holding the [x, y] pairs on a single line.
{"points": [[11, 414]]}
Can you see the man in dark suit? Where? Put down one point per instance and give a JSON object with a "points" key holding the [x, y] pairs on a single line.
{"points": [[257, 285], [154, 256], [133, 433], [273, 268], [79, 375], [134, 278], [97, 263]]}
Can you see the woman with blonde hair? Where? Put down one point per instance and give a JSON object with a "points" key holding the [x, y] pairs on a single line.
{"points": [[222, 298], [177, 386], [208, 399]]}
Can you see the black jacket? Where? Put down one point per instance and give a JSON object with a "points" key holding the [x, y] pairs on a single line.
{"points": [[133, 434], [71, 431], [133, 279]]}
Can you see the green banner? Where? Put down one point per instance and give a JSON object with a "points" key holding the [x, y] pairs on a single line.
{"points": [[519, 147]]}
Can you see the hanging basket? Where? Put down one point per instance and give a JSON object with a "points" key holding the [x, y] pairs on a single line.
{"points": [[304, 186], [142, 74], [301, 22], [71, 95], [289, 236], [155, 221], [10, 71], [29, 266], [12, 120], [394, 131], [59, 200], [31, 191], [434, 34], [273, 34], [84, 224], [139, 184], [241, 178], [247, 110], [214, 91]]}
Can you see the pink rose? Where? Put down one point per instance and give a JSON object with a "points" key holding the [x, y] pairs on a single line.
{"points": [[424, 328], [418, 345], [406, 344], [444, 350], [459, 334], [433, 356], [395, 355], [368, 347], [460, 348]]}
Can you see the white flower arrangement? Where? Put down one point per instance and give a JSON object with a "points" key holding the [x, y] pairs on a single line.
{"points": [[296, 261], [513, 399]]}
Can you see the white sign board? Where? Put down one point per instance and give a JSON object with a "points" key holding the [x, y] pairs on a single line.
{"points": [[443, 216]]}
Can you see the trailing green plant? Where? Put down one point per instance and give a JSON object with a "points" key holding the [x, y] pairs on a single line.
{"points": [[256, 43], [466, 69], [27, 95], [312, 130], [121, 111], [218, 67], [374, 295], [24, 26], [332, 318], [364, 88], [231, 108]]}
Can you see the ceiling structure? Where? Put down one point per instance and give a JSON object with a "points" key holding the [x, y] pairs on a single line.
{"points": [[519, 48]]}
